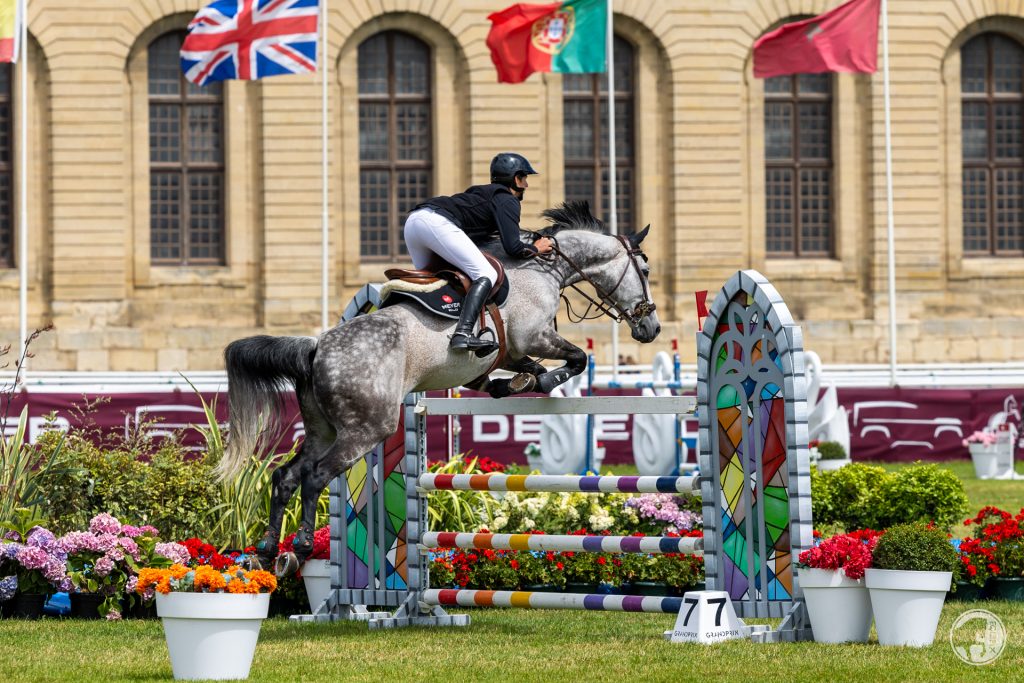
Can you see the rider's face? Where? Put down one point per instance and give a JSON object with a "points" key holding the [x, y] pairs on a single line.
{"points": [[521, 185]]}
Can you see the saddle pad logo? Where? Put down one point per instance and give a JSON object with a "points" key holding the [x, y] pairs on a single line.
{"points": [[447, 299], [552, 33]]}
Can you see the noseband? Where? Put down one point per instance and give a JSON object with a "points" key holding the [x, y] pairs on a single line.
{"points": [[607, 305]]}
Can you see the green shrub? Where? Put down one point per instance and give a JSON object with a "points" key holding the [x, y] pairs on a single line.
{"points": [[867, 497], [846, 497], [921, 493], [915, 547], [831, 450]]}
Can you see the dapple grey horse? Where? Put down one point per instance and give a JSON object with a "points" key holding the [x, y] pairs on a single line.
{"points": [[351, 380]]}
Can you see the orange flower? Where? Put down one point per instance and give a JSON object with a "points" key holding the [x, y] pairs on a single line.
{"points": [[263, 580], [237, 586], [208, 579]]}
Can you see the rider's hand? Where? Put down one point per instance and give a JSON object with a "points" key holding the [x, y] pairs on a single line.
{"points": [[543, 245]]}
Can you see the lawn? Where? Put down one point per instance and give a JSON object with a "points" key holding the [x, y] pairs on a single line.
{"points": [[520, 645]]}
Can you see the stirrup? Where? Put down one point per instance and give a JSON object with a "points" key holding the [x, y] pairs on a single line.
{"points": [[467, 342]]}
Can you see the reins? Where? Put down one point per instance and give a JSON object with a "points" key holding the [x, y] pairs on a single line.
{"points": [[606, 305]]}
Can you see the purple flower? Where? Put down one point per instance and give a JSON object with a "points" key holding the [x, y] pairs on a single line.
{"points": [[41, 538], [9, 551], [11, 536], [105, 542], [129, 586], [55, 570], [8, 587], [103, 566], [65, 585], [114, 615], [104, 523]]}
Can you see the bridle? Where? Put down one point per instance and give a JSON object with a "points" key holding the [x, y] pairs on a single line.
{"points": [[607, 305]]}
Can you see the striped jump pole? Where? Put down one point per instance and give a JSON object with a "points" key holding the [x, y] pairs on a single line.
{"points": [[564, 543], [598, 602], [553, 483]]}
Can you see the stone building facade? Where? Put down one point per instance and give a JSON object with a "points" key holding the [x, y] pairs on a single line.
{"points": [[132, 284]]}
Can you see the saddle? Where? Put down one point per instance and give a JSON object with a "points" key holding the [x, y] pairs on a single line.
{"points": [[440, 288]]}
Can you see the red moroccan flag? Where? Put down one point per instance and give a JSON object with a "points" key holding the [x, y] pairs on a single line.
{"points": [[845, 39]]}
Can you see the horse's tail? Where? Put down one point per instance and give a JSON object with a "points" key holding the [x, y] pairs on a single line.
{"points": [[259, 368]]}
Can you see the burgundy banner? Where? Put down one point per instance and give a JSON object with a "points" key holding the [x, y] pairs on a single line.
{"points": [[885, 424]]}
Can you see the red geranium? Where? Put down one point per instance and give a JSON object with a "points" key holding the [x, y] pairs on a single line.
{"points": [[849, 552], [321, 544]]}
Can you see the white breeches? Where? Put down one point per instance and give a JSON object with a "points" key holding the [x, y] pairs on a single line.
{"points": [[429, 233]]}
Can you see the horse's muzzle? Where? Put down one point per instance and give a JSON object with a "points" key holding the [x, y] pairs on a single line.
{"points": [[647, 330]]}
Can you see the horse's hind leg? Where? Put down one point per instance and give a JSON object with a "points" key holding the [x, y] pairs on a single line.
{"points": [[284, 482], [287, 477]]}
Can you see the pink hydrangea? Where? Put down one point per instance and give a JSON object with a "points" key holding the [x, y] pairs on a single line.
{"points": [[103, 566], [31, 557], [130, 547], [105, 542], [175, 552], [104, 523], [78, 541]]}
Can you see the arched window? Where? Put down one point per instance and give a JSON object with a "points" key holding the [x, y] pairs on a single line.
{"points": [[186, 162], [798, 165], [6, 168], [585, 116], [395, 155], [992, 87]]}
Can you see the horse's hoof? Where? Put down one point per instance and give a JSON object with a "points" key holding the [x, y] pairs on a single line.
{"points": [[287, 564], [522, 383]]}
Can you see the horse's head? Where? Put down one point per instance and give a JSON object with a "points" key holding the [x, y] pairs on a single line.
{"points": [[615, 266]]}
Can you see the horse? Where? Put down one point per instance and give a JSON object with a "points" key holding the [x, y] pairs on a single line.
{"points": [[351, 380]]}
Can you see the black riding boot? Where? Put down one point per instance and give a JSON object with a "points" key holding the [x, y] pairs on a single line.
{"points": [[464, 339]]}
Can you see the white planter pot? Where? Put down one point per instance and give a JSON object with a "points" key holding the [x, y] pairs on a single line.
{"points": [[211, 635], [985, 458], [839, 607], [829, 465], [907, 605], [316, 575]]}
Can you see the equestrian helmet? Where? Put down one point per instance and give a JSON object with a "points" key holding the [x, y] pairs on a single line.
{"points": [[507, 165]]}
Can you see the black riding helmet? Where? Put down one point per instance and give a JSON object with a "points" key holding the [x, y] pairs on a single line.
{"points": [[507, 165]]}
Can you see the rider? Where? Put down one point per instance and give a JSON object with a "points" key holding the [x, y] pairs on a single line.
{"points": [[451, 227]]}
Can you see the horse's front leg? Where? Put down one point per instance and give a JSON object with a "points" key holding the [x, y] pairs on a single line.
{"points": [[551, 345], [527, 370]]}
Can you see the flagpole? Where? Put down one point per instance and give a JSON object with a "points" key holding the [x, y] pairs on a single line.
{"points": [[889, 194], [23, 184], [612, 180], [324, 241]]}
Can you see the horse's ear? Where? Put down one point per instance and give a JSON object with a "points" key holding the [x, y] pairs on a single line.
{"points": [[636, 238]]}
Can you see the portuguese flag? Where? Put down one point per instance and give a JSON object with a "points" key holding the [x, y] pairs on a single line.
{"points": [[564, 37]]}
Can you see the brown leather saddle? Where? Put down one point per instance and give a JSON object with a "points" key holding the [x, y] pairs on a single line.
{"points": [[439, 270]]}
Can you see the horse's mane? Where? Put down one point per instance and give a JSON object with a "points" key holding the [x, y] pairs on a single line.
{"points": [[571, 215]]}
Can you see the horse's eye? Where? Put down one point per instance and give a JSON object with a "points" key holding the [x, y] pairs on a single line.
{"points": [[644, 257]]}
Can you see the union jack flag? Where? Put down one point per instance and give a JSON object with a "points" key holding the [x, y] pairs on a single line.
{"points": [[250, 39]]}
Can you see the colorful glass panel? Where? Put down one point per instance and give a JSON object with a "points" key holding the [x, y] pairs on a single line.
{"points": [[751, 451]]}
